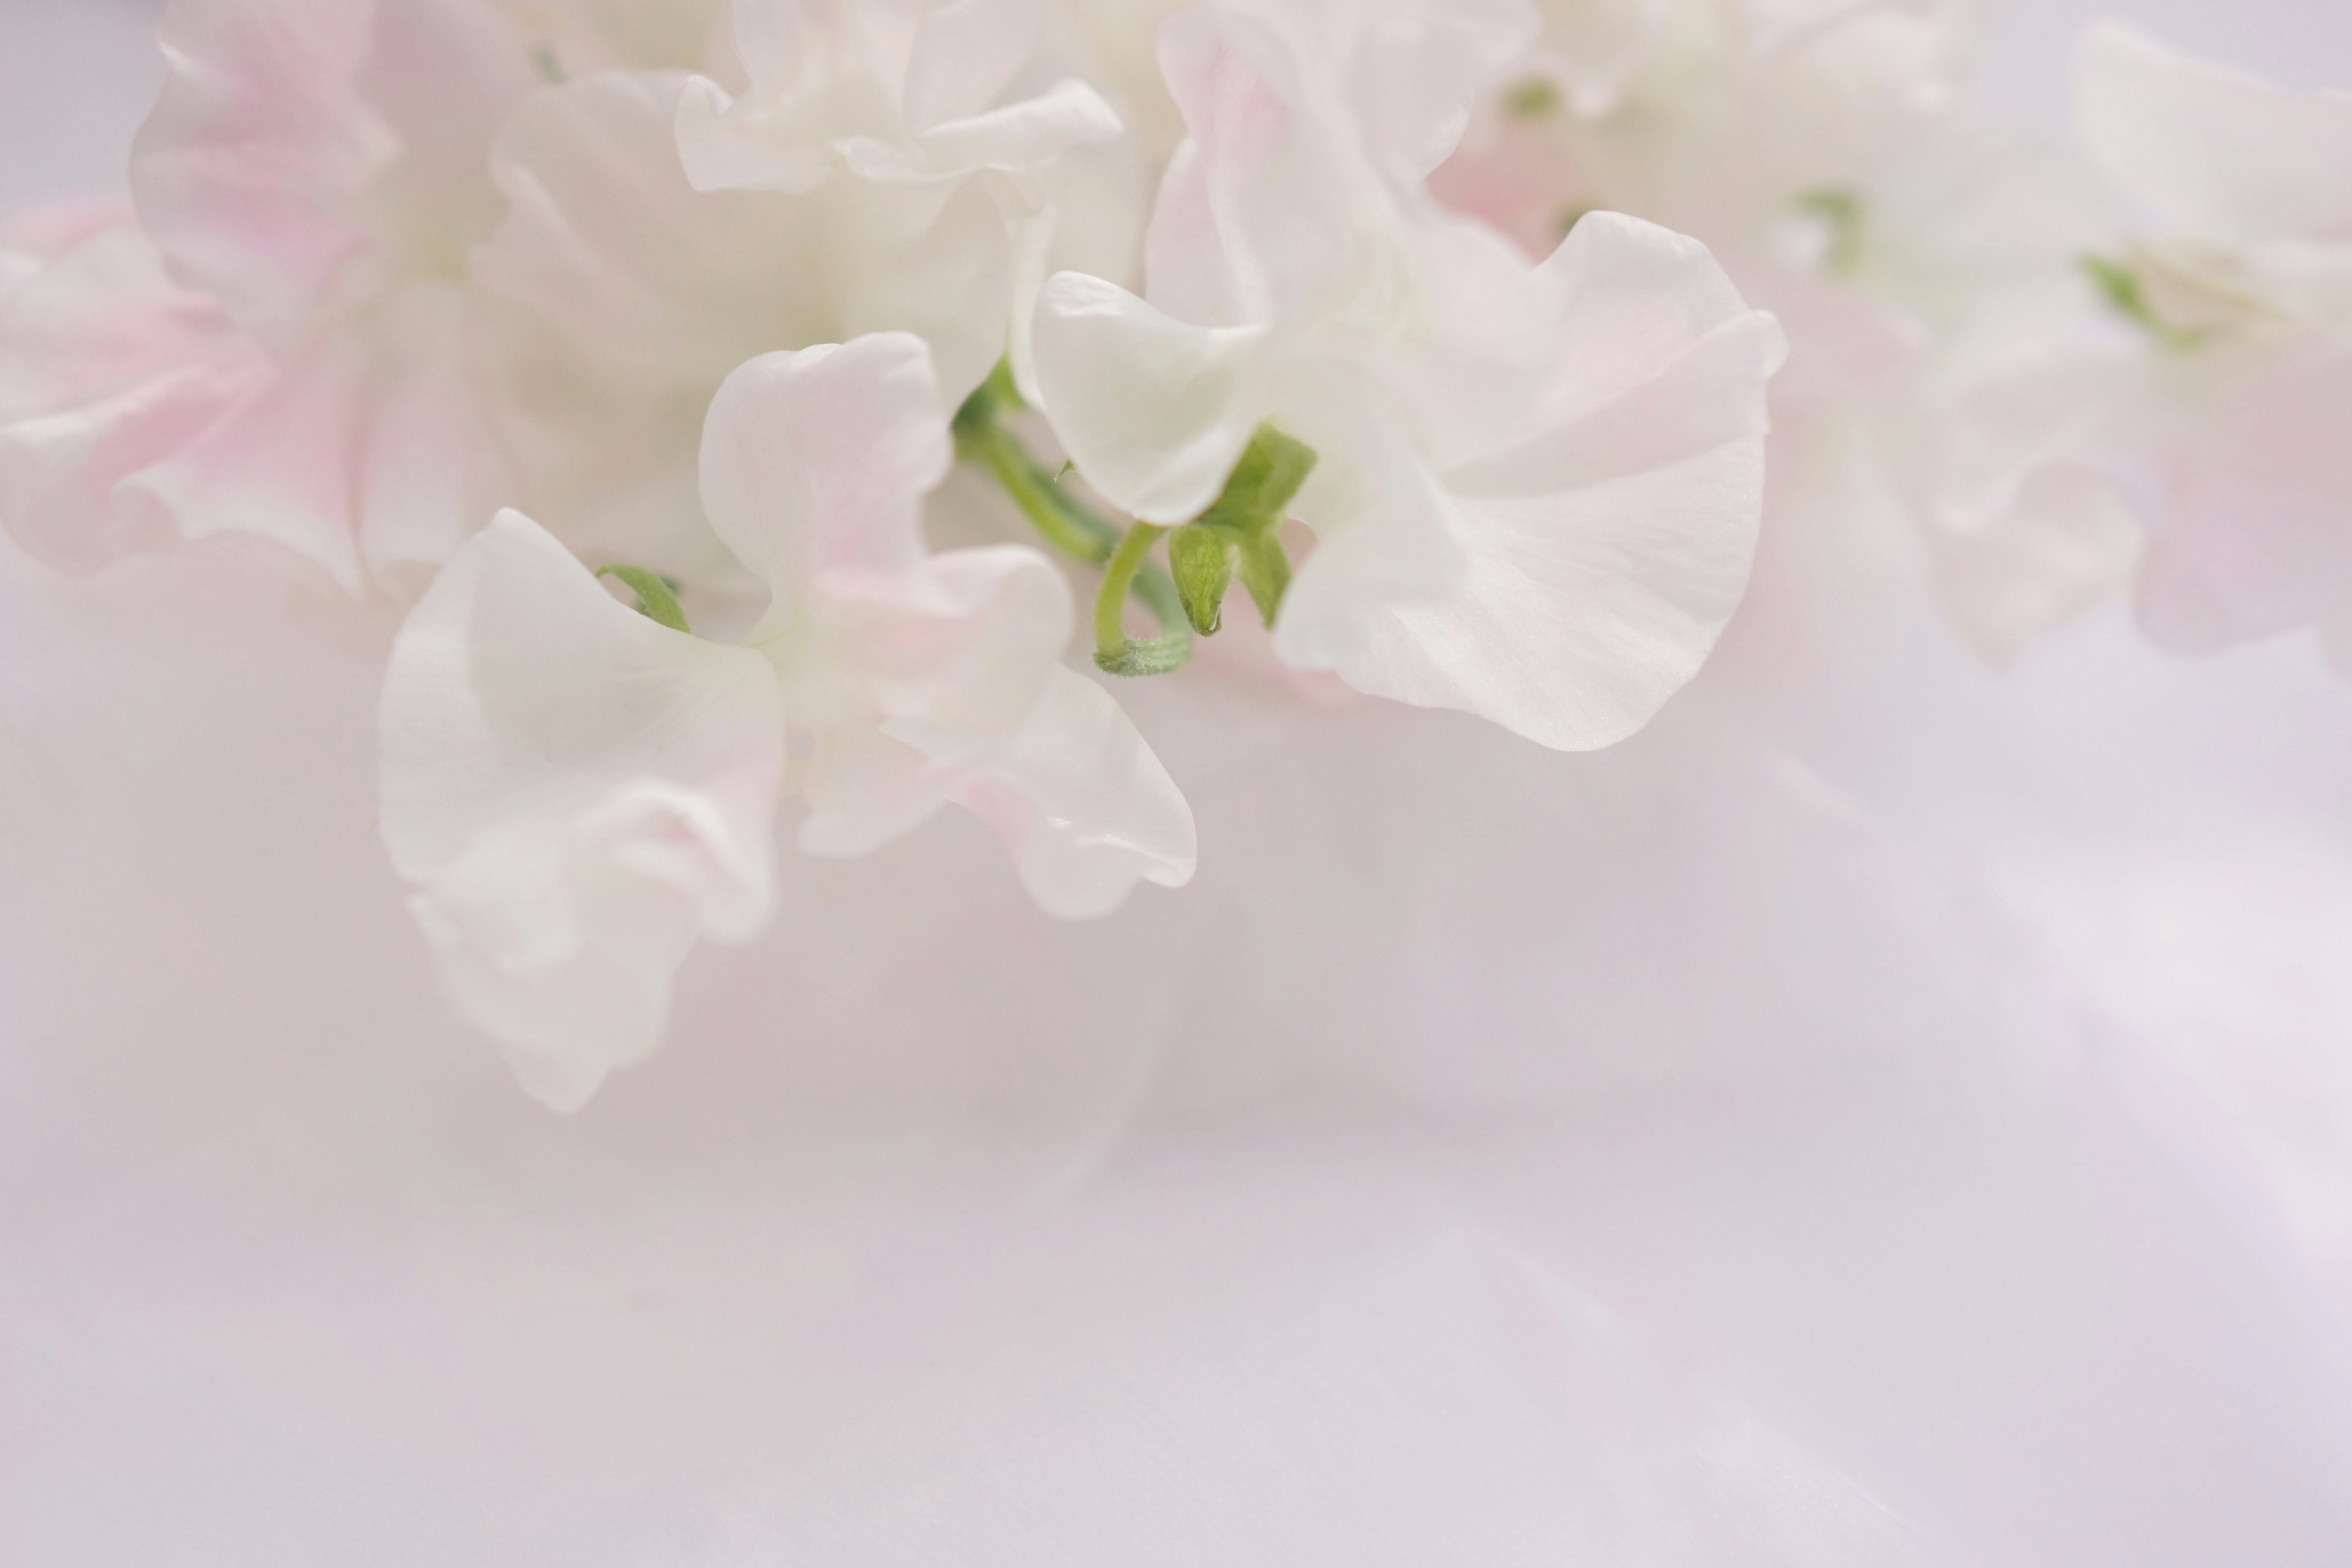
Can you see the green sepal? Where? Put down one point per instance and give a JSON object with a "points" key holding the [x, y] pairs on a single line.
{"points": [[1266, 572], [1202, 559], [656, 597], [1265, 481]]}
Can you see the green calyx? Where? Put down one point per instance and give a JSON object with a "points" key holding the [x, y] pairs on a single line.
{"points": [[1241, 535], [656, 596], [1238, 538]]}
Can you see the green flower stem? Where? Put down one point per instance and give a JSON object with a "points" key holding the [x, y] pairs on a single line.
{"points": [[1077, 529], [1118, 577], [1067, 526]]}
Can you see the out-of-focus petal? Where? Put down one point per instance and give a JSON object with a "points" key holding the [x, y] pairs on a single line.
{"points": [[296, 138], [1155, 412], [2215, 153], [362, 451], [665, 288], [577, 795], [965, 54], [1419, 66], [107, 368], [1074, 792], [2259, 536]]}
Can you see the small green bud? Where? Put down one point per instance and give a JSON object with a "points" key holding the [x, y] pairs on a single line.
{"points": [[656, 596], [1202, 559], [1243, 530], [1536, 97]]}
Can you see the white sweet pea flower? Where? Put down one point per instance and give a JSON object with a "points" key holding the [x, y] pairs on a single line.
{"points": [[906, 113], [1539, 488], [2181, 417], [1709, 116], [579, 794], [294, 348], [646, 291], [2247, 275]]}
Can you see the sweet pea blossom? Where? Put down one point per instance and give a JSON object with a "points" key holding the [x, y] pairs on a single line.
{"points": [[1714, 117], [1538, 487], [660, 230], [2185, 421], [288, 344], [577, 793]]}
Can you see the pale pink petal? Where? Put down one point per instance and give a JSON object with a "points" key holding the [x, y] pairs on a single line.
{"points": [[105, 368], [2259, 536], [577, 795], [295, 139], [815, 466], [817, 462]]}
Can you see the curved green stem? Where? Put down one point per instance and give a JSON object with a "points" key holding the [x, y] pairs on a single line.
{"points": [[1115, 651], [1072, 527]]}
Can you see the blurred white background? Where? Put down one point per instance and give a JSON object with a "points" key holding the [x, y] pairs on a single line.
{"points": [[1896, 1112]]}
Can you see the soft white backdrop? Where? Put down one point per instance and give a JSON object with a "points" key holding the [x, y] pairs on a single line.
{"points": [[1893, 1113]]}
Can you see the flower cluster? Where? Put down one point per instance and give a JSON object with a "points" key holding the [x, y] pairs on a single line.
{"points": [[650, 355]]}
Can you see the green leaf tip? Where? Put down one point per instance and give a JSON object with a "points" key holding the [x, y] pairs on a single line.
{"points": [[1536, 97], [656, 596], [2125, 293]]}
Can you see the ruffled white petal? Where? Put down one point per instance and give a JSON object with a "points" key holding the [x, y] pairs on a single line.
{"points": [[964, 55], [1154, 412], [663, 288], [1259, 211], [577, 795], [1074, 792], [1607, 550]]}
